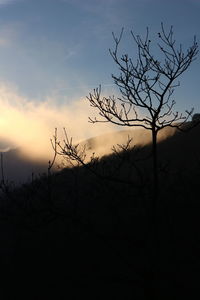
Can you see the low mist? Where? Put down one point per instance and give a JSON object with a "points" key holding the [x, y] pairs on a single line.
{"points": [[103, 144]]}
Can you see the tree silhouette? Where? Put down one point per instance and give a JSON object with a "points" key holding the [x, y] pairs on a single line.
{"points": [[146, 86]]}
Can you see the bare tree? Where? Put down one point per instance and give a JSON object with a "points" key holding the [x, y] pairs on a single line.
{"points": [[76, 155], [146, 86]]}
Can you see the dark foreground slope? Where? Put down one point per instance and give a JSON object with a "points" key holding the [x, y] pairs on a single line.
{"points": [[81, 233]]}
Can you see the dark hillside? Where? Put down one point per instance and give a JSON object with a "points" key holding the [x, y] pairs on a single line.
{"points": [[86, 233]]}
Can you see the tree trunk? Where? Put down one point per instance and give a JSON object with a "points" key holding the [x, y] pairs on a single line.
{"points": [[152, 289], [155, 168]]}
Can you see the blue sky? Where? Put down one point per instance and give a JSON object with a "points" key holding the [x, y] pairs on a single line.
{"points": [[61, 47], [58, 49]]}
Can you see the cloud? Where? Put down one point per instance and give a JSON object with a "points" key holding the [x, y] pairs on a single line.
{"points": [[30, 124]]}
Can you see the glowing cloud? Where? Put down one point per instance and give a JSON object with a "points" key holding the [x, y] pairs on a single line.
{"points": [[30, 124]]}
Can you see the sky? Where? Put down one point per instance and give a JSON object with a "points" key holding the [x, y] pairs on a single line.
{"points": [[53, 53]]}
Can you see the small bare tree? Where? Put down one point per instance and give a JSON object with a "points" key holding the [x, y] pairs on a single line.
{"points": [[146, 86]]}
